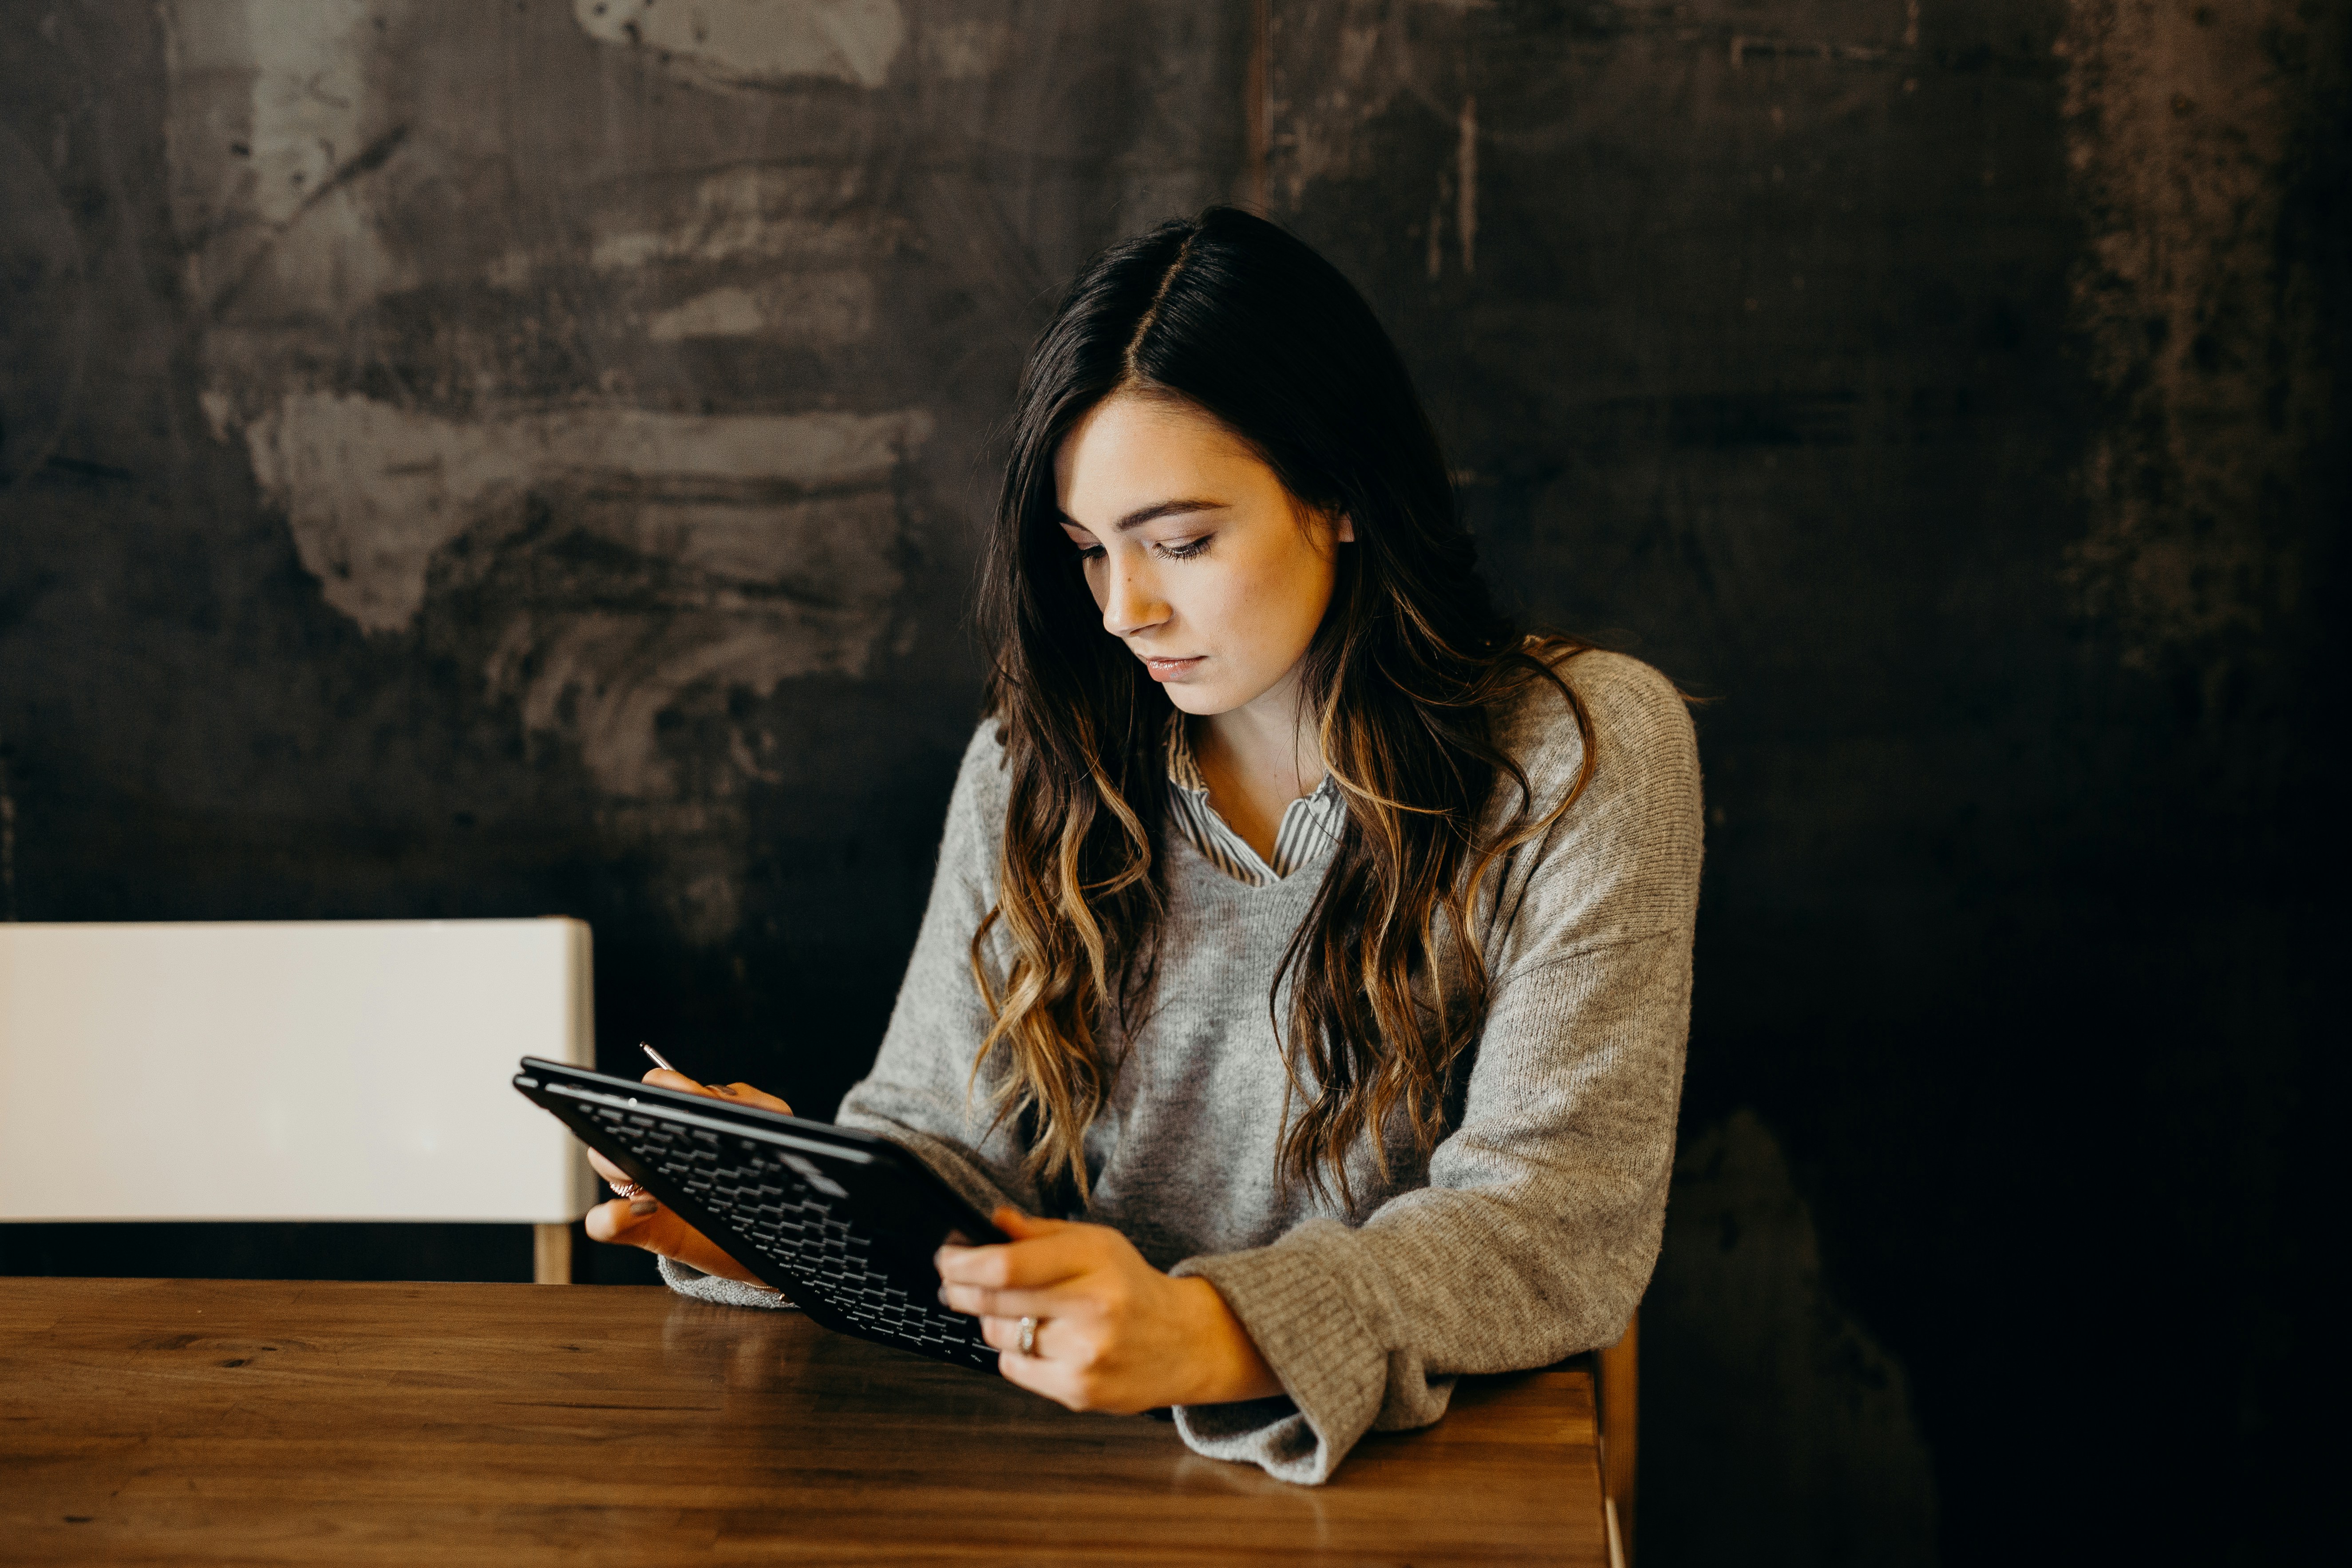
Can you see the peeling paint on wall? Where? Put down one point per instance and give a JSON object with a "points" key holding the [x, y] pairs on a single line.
{"points": [[756, 41], [2181, 127], [747, 214], [966, 50], [373, 492], [1363, 76], [489, 415], [823, 308], [272, 113], [598, 355]]}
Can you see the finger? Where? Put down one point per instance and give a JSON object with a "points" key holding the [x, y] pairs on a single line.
{"points": [[744, 1094], [1032, 1265], [660, 1231], [1004, 1334], [1023, 1227], [1037, 1374], [664, 1233], [739, 1093], [1051, 1341], [1012, 1222], [980, 1302], [607, 1169]]}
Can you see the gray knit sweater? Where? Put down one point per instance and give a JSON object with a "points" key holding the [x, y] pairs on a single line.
{"points": [[1528, 1235]]}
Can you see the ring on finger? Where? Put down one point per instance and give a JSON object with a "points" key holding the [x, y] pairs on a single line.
{"points": [[1029, 1336]]}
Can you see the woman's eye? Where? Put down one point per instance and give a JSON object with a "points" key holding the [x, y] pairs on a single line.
{"points": [[1186, 551], [1090, 551]]}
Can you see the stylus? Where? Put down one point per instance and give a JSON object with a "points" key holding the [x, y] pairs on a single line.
{"points": [[660, 1062]]}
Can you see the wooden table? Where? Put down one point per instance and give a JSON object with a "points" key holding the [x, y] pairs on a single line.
{"points": [[203, 1421]]}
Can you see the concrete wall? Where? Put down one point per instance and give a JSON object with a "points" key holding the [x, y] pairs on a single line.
{"points": [[470, 458]]}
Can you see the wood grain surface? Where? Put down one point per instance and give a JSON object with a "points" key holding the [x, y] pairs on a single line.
{"points": [[219, 1421]]}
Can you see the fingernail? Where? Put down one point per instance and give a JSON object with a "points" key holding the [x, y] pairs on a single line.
{"points": [[726, 1089], [943, 1295], [643, 1206]]}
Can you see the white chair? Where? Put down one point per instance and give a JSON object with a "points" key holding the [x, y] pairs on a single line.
{"points": [[297, 1071]]}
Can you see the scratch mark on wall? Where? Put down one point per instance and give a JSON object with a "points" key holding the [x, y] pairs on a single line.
{"points": [[1745, 44], [1466, 176], [755, 42]]}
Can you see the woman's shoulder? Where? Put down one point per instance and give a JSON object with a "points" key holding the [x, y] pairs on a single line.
{"points": [[985, 752], [982, 780], [1641, 724], [1624, 860]]}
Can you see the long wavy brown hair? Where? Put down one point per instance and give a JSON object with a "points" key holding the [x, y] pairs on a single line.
{"points": [[1387, 987]]}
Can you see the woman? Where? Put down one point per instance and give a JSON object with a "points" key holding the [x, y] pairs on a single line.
{"points": [[1317, 945]]}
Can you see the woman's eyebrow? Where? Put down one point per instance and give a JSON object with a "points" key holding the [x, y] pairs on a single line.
{"points": [[1142, 515]]}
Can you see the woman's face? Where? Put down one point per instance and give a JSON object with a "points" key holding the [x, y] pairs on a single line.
{"points": [[1203, 564]]}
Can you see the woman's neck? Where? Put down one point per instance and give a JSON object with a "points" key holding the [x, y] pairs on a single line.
{"points": [[1256, 759]]}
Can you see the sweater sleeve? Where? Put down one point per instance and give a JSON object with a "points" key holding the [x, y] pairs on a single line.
{"points": [[1537, 1232], [917, 1095]]}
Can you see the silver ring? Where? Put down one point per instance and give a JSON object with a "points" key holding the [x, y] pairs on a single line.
{"points": [[1028, 1336]]}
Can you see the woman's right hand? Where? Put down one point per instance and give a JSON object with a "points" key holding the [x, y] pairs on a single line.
{"points": [[640, 1221]]}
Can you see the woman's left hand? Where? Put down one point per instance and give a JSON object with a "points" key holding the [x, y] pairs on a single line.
{"points": [[636, 1219], [1113, 1332]]}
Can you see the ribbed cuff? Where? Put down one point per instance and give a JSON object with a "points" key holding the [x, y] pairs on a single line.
{"points": [[1333, 1367], [688, 1280]]}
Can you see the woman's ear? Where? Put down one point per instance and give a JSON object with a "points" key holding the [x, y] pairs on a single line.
{"points": [[1346, 531]]}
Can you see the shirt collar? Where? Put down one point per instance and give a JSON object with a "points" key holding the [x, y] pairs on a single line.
{"points": [[1184, 771]]}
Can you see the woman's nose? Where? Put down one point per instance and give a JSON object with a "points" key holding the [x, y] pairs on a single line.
{"points": [[1130, 604]]}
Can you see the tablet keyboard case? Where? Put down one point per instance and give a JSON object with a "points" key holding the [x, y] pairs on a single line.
{"points": [[817, 1242]]}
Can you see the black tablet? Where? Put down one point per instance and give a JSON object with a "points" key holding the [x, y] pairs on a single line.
{"points": [[842, 1222]]}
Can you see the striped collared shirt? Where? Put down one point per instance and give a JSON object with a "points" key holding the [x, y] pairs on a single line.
{"points": [[1308, 823]]}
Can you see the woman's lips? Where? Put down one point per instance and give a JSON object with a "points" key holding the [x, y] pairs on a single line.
{"points": [[1171, 669]]}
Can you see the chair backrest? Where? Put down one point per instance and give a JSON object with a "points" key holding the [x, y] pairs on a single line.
{"points": [[298, 1070], [1621, 1394]]}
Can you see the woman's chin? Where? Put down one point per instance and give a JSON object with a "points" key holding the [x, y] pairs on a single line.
{"points": [[1200, 701]]}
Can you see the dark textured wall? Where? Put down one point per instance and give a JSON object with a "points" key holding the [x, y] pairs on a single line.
{"points": [[469, 459]]}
